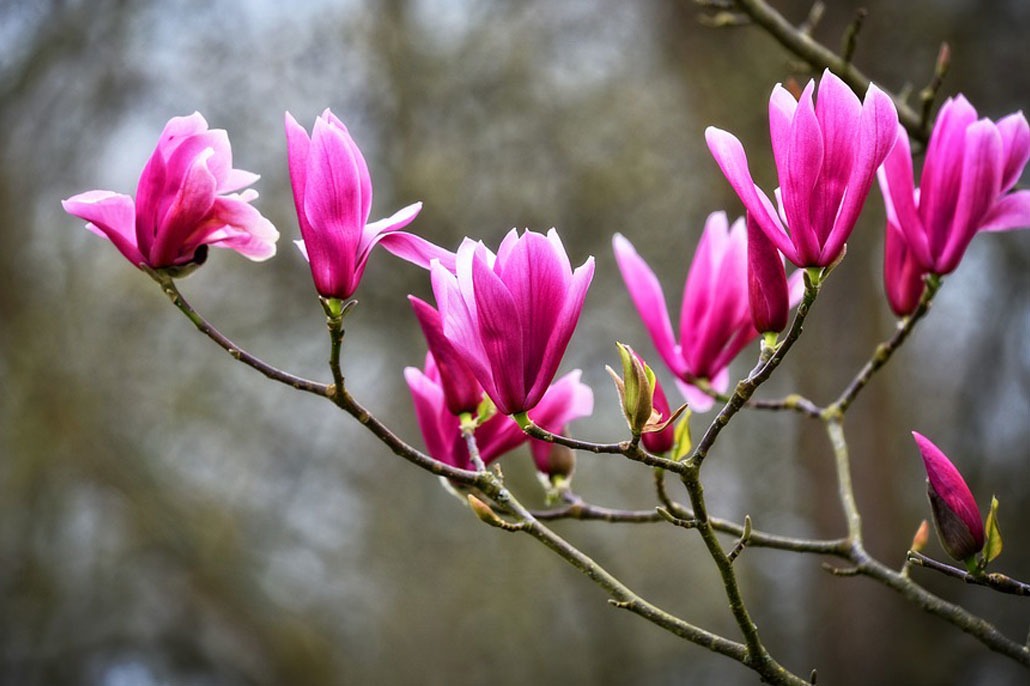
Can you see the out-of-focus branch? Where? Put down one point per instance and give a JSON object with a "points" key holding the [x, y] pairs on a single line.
{"points": [[818, 56]]}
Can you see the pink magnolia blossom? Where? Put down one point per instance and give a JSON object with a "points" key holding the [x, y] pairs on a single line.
{"points": [[970, 166], [511, 315], [566, 400], [332, 192], [954, 509], [826, 157], [715, 318], [185, 201]]}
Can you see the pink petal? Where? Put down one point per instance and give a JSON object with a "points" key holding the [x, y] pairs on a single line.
{"points": [[559, 339], [1011, 211], [877, 134], [729, 155], [646, 293], [982, 168], [1015, 136], [782, 106], [112, 215], [565, 400], [298, 148], [188, 208], [237, 225], [461, 390], [500, 331], [942, 171], [838, 110], [805, 156], [438, 426], [899, 196], [767, 282], [902, 275]]}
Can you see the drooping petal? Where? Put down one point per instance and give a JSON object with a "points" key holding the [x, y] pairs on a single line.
{"points": [[112, 215], [646, 293], [729, 155]]}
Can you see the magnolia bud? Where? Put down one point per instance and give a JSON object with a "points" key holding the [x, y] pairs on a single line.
{"points": [[635, 388], [955, 514]]}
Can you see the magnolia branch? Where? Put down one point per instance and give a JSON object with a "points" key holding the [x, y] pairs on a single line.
{"points": [[994, 580]]}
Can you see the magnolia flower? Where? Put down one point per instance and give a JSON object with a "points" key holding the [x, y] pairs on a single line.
{"points": [[715, 319], [566, 400], [184, 203], [970, 166], [511, 315], [826, 157], [955, 513], [332, 191]]}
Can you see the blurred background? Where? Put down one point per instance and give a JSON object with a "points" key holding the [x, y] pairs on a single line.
{"points": [[170, 517]]}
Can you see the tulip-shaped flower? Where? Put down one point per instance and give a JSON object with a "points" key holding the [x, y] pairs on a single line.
{"points": [[970, 166], [185, 201], [566, 400], [715, 318], [332, 191], [511, 315], [826, 158], [955, 513]]}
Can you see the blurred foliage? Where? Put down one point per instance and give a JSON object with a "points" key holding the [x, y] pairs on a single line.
{"points": [[167, 516]]}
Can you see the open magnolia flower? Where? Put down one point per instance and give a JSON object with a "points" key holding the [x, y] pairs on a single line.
{"points": [[970, 166], [332, 192], [716, 320], [826, 156], [511, 315], [185, 201]]}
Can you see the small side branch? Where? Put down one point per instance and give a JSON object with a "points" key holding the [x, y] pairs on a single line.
{"points": [[994, 580]]}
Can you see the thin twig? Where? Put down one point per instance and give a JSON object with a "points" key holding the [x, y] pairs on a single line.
{"points": [[994, 580]]}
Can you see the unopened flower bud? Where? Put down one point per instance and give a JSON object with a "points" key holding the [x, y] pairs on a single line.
{"points": [[955, 513], [635, 388]]}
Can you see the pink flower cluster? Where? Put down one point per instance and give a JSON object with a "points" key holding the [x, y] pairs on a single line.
{"points": [[502, 321]]}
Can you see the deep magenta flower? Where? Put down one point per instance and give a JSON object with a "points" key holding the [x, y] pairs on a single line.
{"points": [[332, 191], [767, 288], [185, 201], [826, 157], [566, 400], [970, 166], [955, 513], [715, 318], [511, 315]]}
